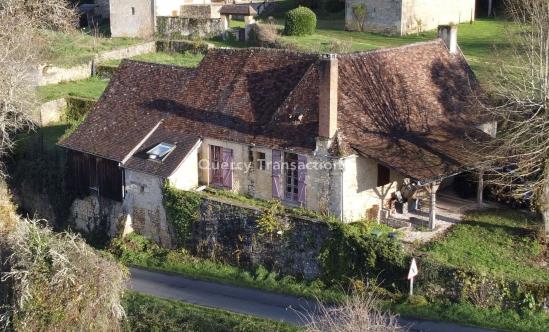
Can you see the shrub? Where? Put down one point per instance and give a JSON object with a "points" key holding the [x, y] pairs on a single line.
{"points": [[182, 208], [56, 282], [352, 251], [359, 312], [299, 22], [264, 35]]}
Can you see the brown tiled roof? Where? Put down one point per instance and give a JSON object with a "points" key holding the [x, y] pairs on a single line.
{"points": [[406, 107], [183, 142], [409, 108], [245, 10]]}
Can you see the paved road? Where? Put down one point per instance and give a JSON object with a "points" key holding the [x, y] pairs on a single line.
{"points": [[249, 301]]}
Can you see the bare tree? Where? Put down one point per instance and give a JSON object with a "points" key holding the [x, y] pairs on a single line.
{"points": [[360, 14], [20, 23], [521, 87], [358, 313]]}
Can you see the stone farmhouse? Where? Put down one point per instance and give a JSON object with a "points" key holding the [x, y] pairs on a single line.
{"points": [[402, 17], [140, 18], [356, 128]]}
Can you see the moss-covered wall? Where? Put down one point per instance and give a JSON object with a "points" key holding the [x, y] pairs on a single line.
{"points": [[234, 233]]}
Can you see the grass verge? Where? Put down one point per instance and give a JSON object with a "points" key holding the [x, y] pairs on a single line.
{"points": [[496, 242], [464, 313], [148, 313], [137, 251], [177, 59], [91, 88], [71, 49]]}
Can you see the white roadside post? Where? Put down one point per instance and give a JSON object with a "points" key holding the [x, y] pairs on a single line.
{"points": [[411, 274]]}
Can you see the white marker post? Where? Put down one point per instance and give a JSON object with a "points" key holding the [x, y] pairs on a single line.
{"points": [[411, 274]]}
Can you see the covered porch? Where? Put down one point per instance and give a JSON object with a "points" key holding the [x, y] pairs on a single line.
{"points": [[435, 207]]}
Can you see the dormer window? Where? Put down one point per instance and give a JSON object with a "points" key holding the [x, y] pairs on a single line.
{"points": [[160, 151]]}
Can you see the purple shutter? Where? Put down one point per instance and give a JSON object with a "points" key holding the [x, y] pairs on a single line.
{"points": [[227, 168], [301, 175], [277, 190]]}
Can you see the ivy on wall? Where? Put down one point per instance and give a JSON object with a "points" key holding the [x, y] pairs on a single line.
{"points": [[182, 209], [356, 251]]}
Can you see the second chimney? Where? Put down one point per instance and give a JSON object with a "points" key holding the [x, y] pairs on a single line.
{"points": [[328, 90], [448, 33]]}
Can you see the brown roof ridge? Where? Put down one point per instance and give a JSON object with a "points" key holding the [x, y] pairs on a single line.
{"points": [[268, 49], [392, 49]]}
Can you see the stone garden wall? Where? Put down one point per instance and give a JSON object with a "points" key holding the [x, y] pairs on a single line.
{"points": [[230, 232], [173, 27]]}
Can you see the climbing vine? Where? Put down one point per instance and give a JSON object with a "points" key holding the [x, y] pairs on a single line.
{"points": [[270, 222], [182, 208]]}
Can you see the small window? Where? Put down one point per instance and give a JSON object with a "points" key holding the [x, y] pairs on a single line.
{"points": [[383, 175], [133, 10], [261, 161], [160, 151]]}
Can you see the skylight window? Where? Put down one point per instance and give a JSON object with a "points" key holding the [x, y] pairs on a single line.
{"points": [[160, 151]]}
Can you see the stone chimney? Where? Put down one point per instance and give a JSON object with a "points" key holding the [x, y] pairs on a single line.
{"points": [[327, 102], [448, 33]]}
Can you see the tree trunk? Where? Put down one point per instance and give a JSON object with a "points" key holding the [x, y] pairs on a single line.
{"points": [[490, 7], [544, 199]]}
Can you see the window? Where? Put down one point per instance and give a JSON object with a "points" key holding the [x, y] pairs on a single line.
{"points": [[291, 176], [133, 10], [261, 161], [160, 151], [383, 175]]}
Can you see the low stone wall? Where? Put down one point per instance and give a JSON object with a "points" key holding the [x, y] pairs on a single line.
{"points": [[181, 27], [229, 231], [200, 11], [127, 52], [49, 112], [47, 74], [182, 46]]}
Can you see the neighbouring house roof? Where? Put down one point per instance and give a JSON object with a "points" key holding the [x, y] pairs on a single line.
{"points": [[406, 107], [244, 10]]}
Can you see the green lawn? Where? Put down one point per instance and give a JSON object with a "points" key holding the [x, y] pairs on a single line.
{"points": [[465, 313], [476, 40], [177, 59], [90, 88], [70, 49], [148, 313], [499, 242]]}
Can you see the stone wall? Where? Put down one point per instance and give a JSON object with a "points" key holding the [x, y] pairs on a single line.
{"points": [[49, 112], [143, 208], [96, 214], [384, 16], [127, 52], [48, 74], [132, 18], [403, 16], [200, 11], [180, 26], [229, 232]]}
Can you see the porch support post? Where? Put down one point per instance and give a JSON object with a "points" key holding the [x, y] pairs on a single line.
{"points": [[432, 189], [480, 188]]}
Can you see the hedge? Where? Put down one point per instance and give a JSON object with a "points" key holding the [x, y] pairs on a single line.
{"points": [[438, 281], [299, 22]]}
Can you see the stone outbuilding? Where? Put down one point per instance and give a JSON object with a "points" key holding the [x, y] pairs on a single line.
{"points": [[401, 17], [350, 135]]}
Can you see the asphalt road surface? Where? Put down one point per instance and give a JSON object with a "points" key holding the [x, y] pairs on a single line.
{"points": [[251, 301]]}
